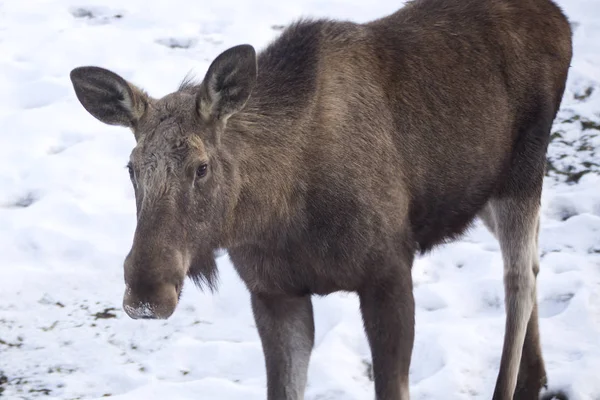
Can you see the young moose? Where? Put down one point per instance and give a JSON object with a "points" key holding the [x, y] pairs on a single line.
{"points": [[327, 162]]}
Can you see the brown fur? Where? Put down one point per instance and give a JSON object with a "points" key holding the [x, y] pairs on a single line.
{"points": [[337, 154]]}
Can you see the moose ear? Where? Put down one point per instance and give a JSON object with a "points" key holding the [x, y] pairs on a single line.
{"points": [[228, 83], [108, 97]]}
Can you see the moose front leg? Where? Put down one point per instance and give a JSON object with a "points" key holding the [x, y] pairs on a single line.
{"points": [[388, 308], [286, 328]]}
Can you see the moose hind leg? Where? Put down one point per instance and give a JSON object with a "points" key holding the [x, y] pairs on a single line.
{"points": [[487, 216], [286, 328], [516, 227], [532, 374]]}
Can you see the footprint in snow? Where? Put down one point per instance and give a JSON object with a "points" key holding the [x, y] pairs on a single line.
{"points": [[555, 395], [23, 201], [553, 305], [562, 208], [428, 300], [96, 15], [428, 358], [491, 300], [65, 142], [177, 43]]}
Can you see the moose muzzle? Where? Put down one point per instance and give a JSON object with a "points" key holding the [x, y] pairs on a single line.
{"points": [[158, 303]]}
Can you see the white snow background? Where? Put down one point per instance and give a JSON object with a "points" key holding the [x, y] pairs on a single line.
{"points": [[67, 217]]}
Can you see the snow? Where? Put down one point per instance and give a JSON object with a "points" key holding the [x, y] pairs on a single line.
{"points": [[67, 217]]}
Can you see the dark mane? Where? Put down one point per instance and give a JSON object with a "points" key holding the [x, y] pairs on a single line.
{"points": [[289, 65]]}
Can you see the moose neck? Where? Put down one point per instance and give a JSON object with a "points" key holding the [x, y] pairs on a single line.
{"points": [[271, 136], [269, 141]]}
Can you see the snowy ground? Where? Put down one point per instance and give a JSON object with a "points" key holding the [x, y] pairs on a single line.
{"points": [[67, 218]]}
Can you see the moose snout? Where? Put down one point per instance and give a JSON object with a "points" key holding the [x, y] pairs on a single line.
{"points": [[157, 303], [154, 277]]}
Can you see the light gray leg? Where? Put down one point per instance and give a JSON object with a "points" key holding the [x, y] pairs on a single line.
{"points": [[286, 328], [487, 216], [515, 222], [532, 373]]}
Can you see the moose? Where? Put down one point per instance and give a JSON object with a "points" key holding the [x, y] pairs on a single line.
{"points": [[334, 156]]}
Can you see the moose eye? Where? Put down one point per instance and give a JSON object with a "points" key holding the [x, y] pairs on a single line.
{"points": [[201, 170], [130, 169]]}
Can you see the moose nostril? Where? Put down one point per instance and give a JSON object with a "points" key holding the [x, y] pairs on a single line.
{"points": [[158, 303]]}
